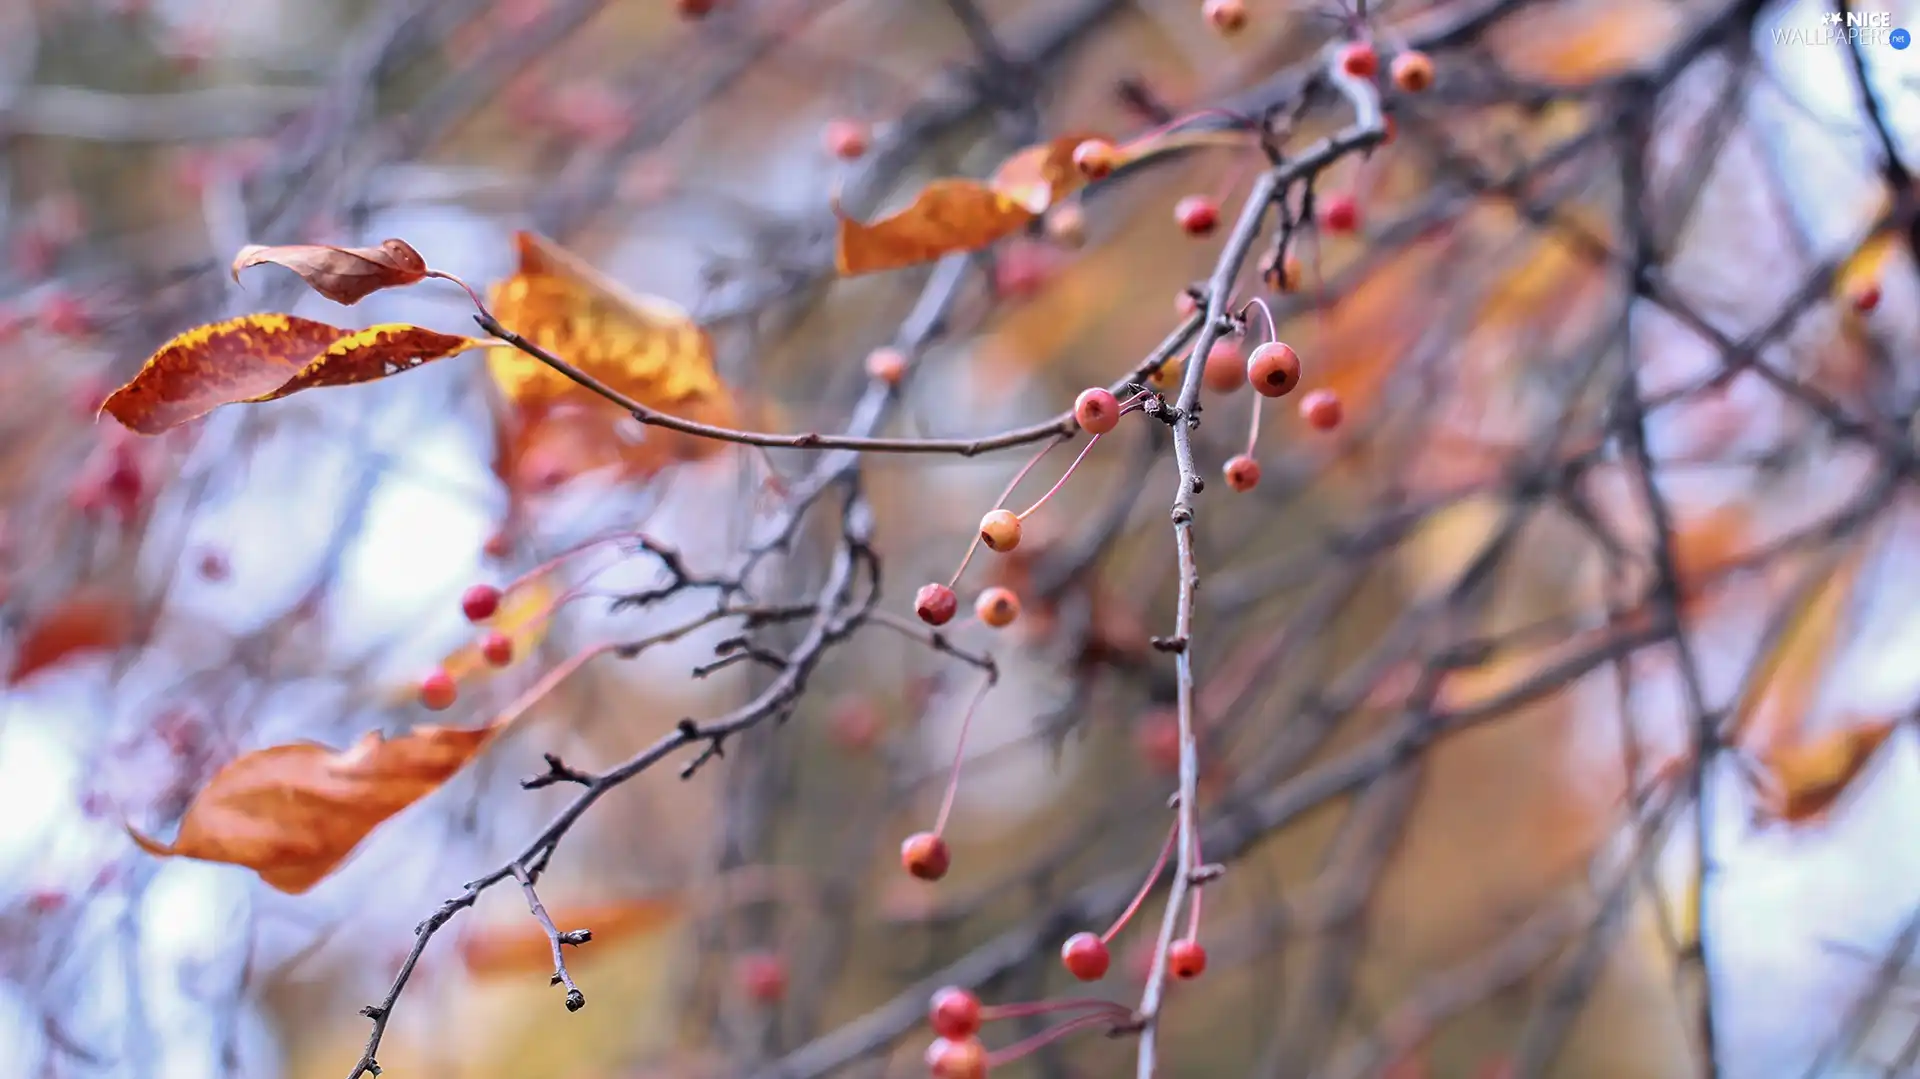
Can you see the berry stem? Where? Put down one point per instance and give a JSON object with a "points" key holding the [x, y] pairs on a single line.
{"points": [[1178, 122], [572, 552], [560, 673], [992, 1012], [1193, 903], [959, 757], [1001, 501], [1062, 480], [1273, 334], [1153, 876], [1047, 1037]]}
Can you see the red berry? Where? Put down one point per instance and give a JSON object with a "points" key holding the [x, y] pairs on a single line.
{"points": [[763, 977], [438, 691], [997, 607], [46, 901], [214, 566], [1226, 369], [697, 9], [1866, 297], [963, 1058], [64, 314], [499, 545], [1340, 214], [1274, 369], [926, 856], [847, 139], [1322, 410], [936, 604], [1000, 530], [1412, 72], [1086, 957], [1096, 158], [1186, 959], [480, 602], [1226, 16], [497, 648], [1096, 410], [954, 1013], [1157, 737], [855, 724], [888, 365], [1197, 214], [1360, 60], [1243, 473]]}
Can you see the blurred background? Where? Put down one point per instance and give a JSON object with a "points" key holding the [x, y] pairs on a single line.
{"points": [[1626, 342]]}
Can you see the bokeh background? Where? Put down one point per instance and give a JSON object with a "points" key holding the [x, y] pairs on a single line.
{"points": [[1431, 871]]}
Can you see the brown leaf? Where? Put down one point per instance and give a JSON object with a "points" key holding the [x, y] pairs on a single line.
{"points": [[1780, 692], [1040, 176], [1808, 777], [345, 275], [948, 216], [263, 358], [520, 945], [293, 813], [84, 622]]}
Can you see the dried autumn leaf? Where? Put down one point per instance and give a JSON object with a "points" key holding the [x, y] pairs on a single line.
{"points": [[84, 622], [1808, 777], [345, 275], [1867, 265], [263, 358], [1041, 175], [520, 945], [948, 216], [293, 813]]}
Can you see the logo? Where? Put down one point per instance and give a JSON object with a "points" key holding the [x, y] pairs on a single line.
{"points": [[1863, 28]]}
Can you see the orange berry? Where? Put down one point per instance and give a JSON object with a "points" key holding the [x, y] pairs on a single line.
{"points": [[1096, 411], [847, 139], [438, 691], [1360, 60], [497, 649], [1243, 473], [1086, 957], [1274, 369], [1169, 374], [1000, 530], [1186, 959], [1066, 225], [888, 365], [997, 607], [926, 856], [1283, 275], [1197, 214], [963, 1058], [1226, 16], [1322, 410], [1412, 72], [1096, 158], [1226, 369], [936, 604]]}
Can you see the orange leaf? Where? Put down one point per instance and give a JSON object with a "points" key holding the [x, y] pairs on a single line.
{"points": [[1040, 176], [1808, 777], [520, 946], [948, 216], [263, 358], [647, 348], [1779, 692], [85, 622], [345, 275], [293, 813]]}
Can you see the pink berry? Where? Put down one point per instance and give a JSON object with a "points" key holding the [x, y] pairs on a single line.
{"points": [[1096, 410], [1274, 369], [1322, 410]]}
